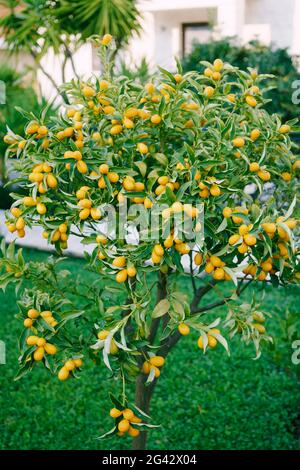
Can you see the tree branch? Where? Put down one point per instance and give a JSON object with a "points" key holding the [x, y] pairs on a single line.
{"points": [[161, 294], [213, 305], [51, 79], [200, 292]]}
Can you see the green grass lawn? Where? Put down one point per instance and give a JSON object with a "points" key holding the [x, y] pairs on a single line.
{"points": [[202, 402]]}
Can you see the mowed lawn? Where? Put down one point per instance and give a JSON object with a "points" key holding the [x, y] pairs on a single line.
{"points": [[202, 402]]}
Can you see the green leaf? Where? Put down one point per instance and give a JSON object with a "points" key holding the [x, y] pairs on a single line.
{"points": [[161, 308]]}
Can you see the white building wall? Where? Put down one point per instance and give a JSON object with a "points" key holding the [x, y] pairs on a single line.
{"points": [[278, 14]]}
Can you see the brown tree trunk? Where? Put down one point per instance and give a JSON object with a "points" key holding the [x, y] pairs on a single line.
{"points": [[143, 396]]}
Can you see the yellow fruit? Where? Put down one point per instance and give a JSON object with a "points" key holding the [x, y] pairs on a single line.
{"points": [[32, 340], [146, 367], [198, 259], [291, 223], [150, 88], [251, 101], [208, 72], [41, 208], [284, 129], [157, 361], [39, 354], [68, 132], [243, 248], [200, 342], [95, 213], [70, 365], [101, 239], [178, 77], [183, 329], [33, 313], [112, 110], [231, 98], [116, 129], [243, 229], [82, 167], [123, 425], [78, 362], [113, 177], [227, 212], [158, 250], [133, 432], [270, 228], [216, 76], [168, 242], [209, 268], [259, 317], [88, 91], [253, 167], [106, 40], [156, 371], [51, 181], [131, 271], [238, 142], [250, 240], [215, 190], [216, 261], [63, 374], [16, 212], [121, 276], [50, 349], [128, 414], [128, 184], [209, 91], [218, 65], [119, 261], [102, 335], [142, 148], [155, 258], [28, 323], [255, 133], [11, 228], [131, 113], [264, 175], [156, 119], [260, 328], [219, 274], [286, 176], [20, 224], [32, 128], [115, 413], [104, 169], [84, 214], [212, 342], [266, 266], [148, 203], [128, 123]]}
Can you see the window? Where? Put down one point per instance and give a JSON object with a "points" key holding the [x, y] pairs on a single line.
{"points": [[194, 32]]}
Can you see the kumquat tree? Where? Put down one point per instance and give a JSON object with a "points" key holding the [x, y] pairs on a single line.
{"points": [[155, 180]]}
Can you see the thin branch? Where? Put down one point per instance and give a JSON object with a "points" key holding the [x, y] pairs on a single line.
{"points": [[192, 274], [51, 79], [213, 305], [161, 294], [69, 55], [200, 292]]}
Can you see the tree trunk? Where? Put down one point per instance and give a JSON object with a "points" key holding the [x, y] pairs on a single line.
{"points": [[144, 393], [143, 396]]}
